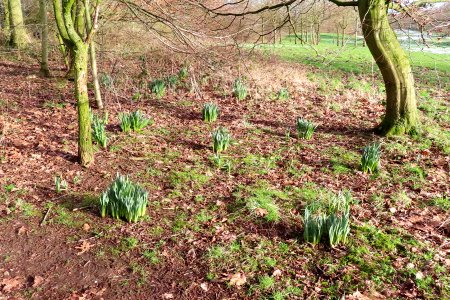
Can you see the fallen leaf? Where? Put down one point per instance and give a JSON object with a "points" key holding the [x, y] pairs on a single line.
{"points": [[419, 275], [238, 279], [204, 286], [22, 230], [425, 152], [276, 273], [358, 296], [86, 227], [261, 212], [37, 280], [10, 284], [84, 247], [167, 296], [75, 296]]}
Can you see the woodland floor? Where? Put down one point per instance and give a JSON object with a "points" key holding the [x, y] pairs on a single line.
{"points": [[200, 240]]}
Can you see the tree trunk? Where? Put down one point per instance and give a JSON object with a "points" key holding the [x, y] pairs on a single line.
{"points": [[97, 93], [80, 25], [19, 35], [70, 75], [401, 112], [44, 38], [68, 43], [85, 151], [63, 50], [79, 49], [5, 26], [337, 36]]}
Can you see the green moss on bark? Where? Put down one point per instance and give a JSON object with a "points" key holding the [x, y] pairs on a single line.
{"points": [[401, 110]]}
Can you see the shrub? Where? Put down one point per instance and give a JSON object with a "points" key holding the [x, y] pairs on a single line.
{"points": [[183, 73], [221, 163], [239, 89], [330, 219], [99, 129], [158, 87], [221, 140], [314, 225], [305, 128], [125, 122], [172, 81], [135, 121], [60, 184], [106, 80], [124, 200], [283, 94], [210, 112], [137, 96], [338, 229], [370, 160]]}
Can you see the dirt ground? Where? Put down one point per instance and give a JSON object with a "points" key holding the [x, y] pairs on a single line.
{"points": [[56, 246]]}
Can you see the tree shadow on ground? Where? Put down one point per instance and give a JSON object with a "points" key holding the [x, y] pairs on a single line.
{"points": [[179, 112]]}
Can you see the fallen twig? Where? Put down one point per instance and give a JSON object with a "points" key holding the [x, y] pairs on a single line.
{"points": [[46, 215]]}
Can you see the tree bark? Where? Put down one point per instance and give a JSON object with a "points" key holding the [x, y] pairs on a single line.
{"points": [[93, 59], [19, 35], [5, 26], [63, 50], [44, 38], [85, 150], [68, 43], [80, 61], [401, 112], [80, 25]]}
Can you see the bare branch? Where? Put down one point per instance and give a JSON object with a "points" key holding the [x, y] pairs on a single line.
{"points": [[344, 3]]}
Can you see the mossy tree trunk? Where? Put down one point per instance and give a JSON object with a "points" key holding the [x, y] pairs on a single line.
{"points": [[44, 38], [401, 111], [5, 26], [19, 35], [67, 45], [85, 150], [63, 50], [79, 47]]}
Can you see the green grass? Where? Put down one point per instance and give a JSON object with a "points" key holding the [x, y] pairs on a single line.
{"points": [[358, 60]]}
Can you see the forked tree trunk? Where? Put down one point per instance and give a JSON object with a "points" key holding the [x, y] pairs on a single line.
{"points": [[44, 38], [401, 112], [68, 44], [80, 61], [19, 34]]}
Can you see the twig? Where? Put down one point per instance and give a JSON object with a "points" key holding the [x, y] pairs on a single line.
{"points": [[46, 215], [81, 208]]}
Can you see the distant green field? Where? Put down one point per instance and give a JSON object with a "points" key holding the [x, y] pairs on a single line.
{"points": [[357, 60]]}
